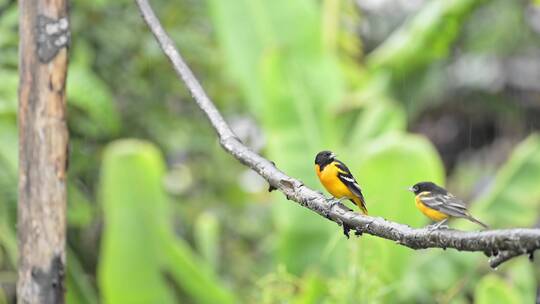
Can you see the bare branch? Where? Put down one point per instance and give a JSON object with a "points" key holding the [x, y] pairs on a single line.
{"points": [[500, 244], [498, 259]]}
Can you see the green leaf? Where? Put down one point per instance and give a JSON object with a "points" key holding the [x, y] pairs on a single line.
{"points": [[89, 94], [513, 198], [194, 275], [138, 246], [377, 119], [8, 92], [493, 290], [9, 142], [207, 231], [426, 37], [80, 211], [79, 288], [135, 215], [8, 187], [497, 37], [388, 166], [235, 34], [9, 37]]}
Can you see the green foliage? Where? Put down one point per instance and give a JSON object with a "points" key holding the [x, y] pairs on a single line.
{"points": [[511, 201], [425, 38], [8, 96], [290, 82], [79, 287], [193, 274], [399, 68], [297, 68], [521, 275], [513, 198], [390, 165], [137, 242], [80, 210], [134, 205], [90, 95], [8, 148], [207, 232], [376, 119], [8, 45], [313, 290], [493, 290], [276, 76], [497, 35]]}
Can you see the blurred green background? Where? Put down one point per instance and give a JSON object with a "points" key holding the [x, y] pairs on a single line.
{"points": [[402, 90]]}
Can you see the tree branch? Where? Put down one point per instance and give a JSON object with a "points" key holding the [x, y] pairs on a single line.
{"points": [[500, 245]]}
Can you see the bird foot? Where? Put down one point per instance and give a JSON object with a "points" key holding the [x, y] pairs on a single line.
{"points": [[334, 201], [347, 229], [436, 226]]}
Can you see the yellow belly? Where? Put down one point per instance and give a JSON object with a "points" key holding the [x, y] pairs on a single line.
{"points": [[332, 184], [431, 213]]}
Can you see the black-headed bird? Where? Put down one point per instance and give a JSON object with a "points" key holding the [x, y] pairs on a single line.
{"points": [[338, 179], [439, 205]]}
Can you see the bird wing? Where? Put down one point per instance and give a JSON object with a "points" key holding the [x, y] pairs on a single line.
{"points": [[445, 203], [346, 177]]}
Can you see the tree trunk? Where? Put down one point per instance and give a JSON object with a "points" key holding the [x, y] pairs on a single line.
{"points": [[43, 142]]}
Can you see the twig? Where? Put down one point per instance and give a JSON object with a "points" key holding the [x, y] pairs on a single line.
{"points": [[491, 242], [498, 259]]}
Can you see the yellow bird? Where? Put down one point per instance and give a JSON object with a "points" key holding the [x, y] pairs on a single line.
{"points": [[338, 180], [440, 205]]}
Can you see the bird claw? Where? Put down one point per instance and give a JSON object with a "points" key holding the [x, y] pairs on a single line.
{"points": [[437, 226], [334, 201], [346, 230]]}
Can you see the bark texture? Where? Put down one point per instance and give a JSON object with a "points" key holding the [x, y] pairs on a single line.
{"points": [[43, 142]]}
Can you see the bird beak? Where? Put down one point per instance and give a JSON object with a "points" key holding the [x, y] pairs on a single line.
{"points": [[332, 155], [410, 189]]}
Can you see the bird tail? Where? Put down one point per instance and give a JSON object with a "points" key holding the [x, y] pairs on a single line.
{"points": [[472, 219], [361, 204]]}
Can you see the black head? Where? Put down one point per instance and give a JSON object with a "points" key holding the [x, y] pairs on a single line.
{"points": [[323, 158], [427, 186]]}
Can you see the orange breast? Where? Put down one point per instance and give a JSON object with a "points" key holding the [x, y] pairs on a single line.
{"points": [[431, 213], [330, 180]]}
